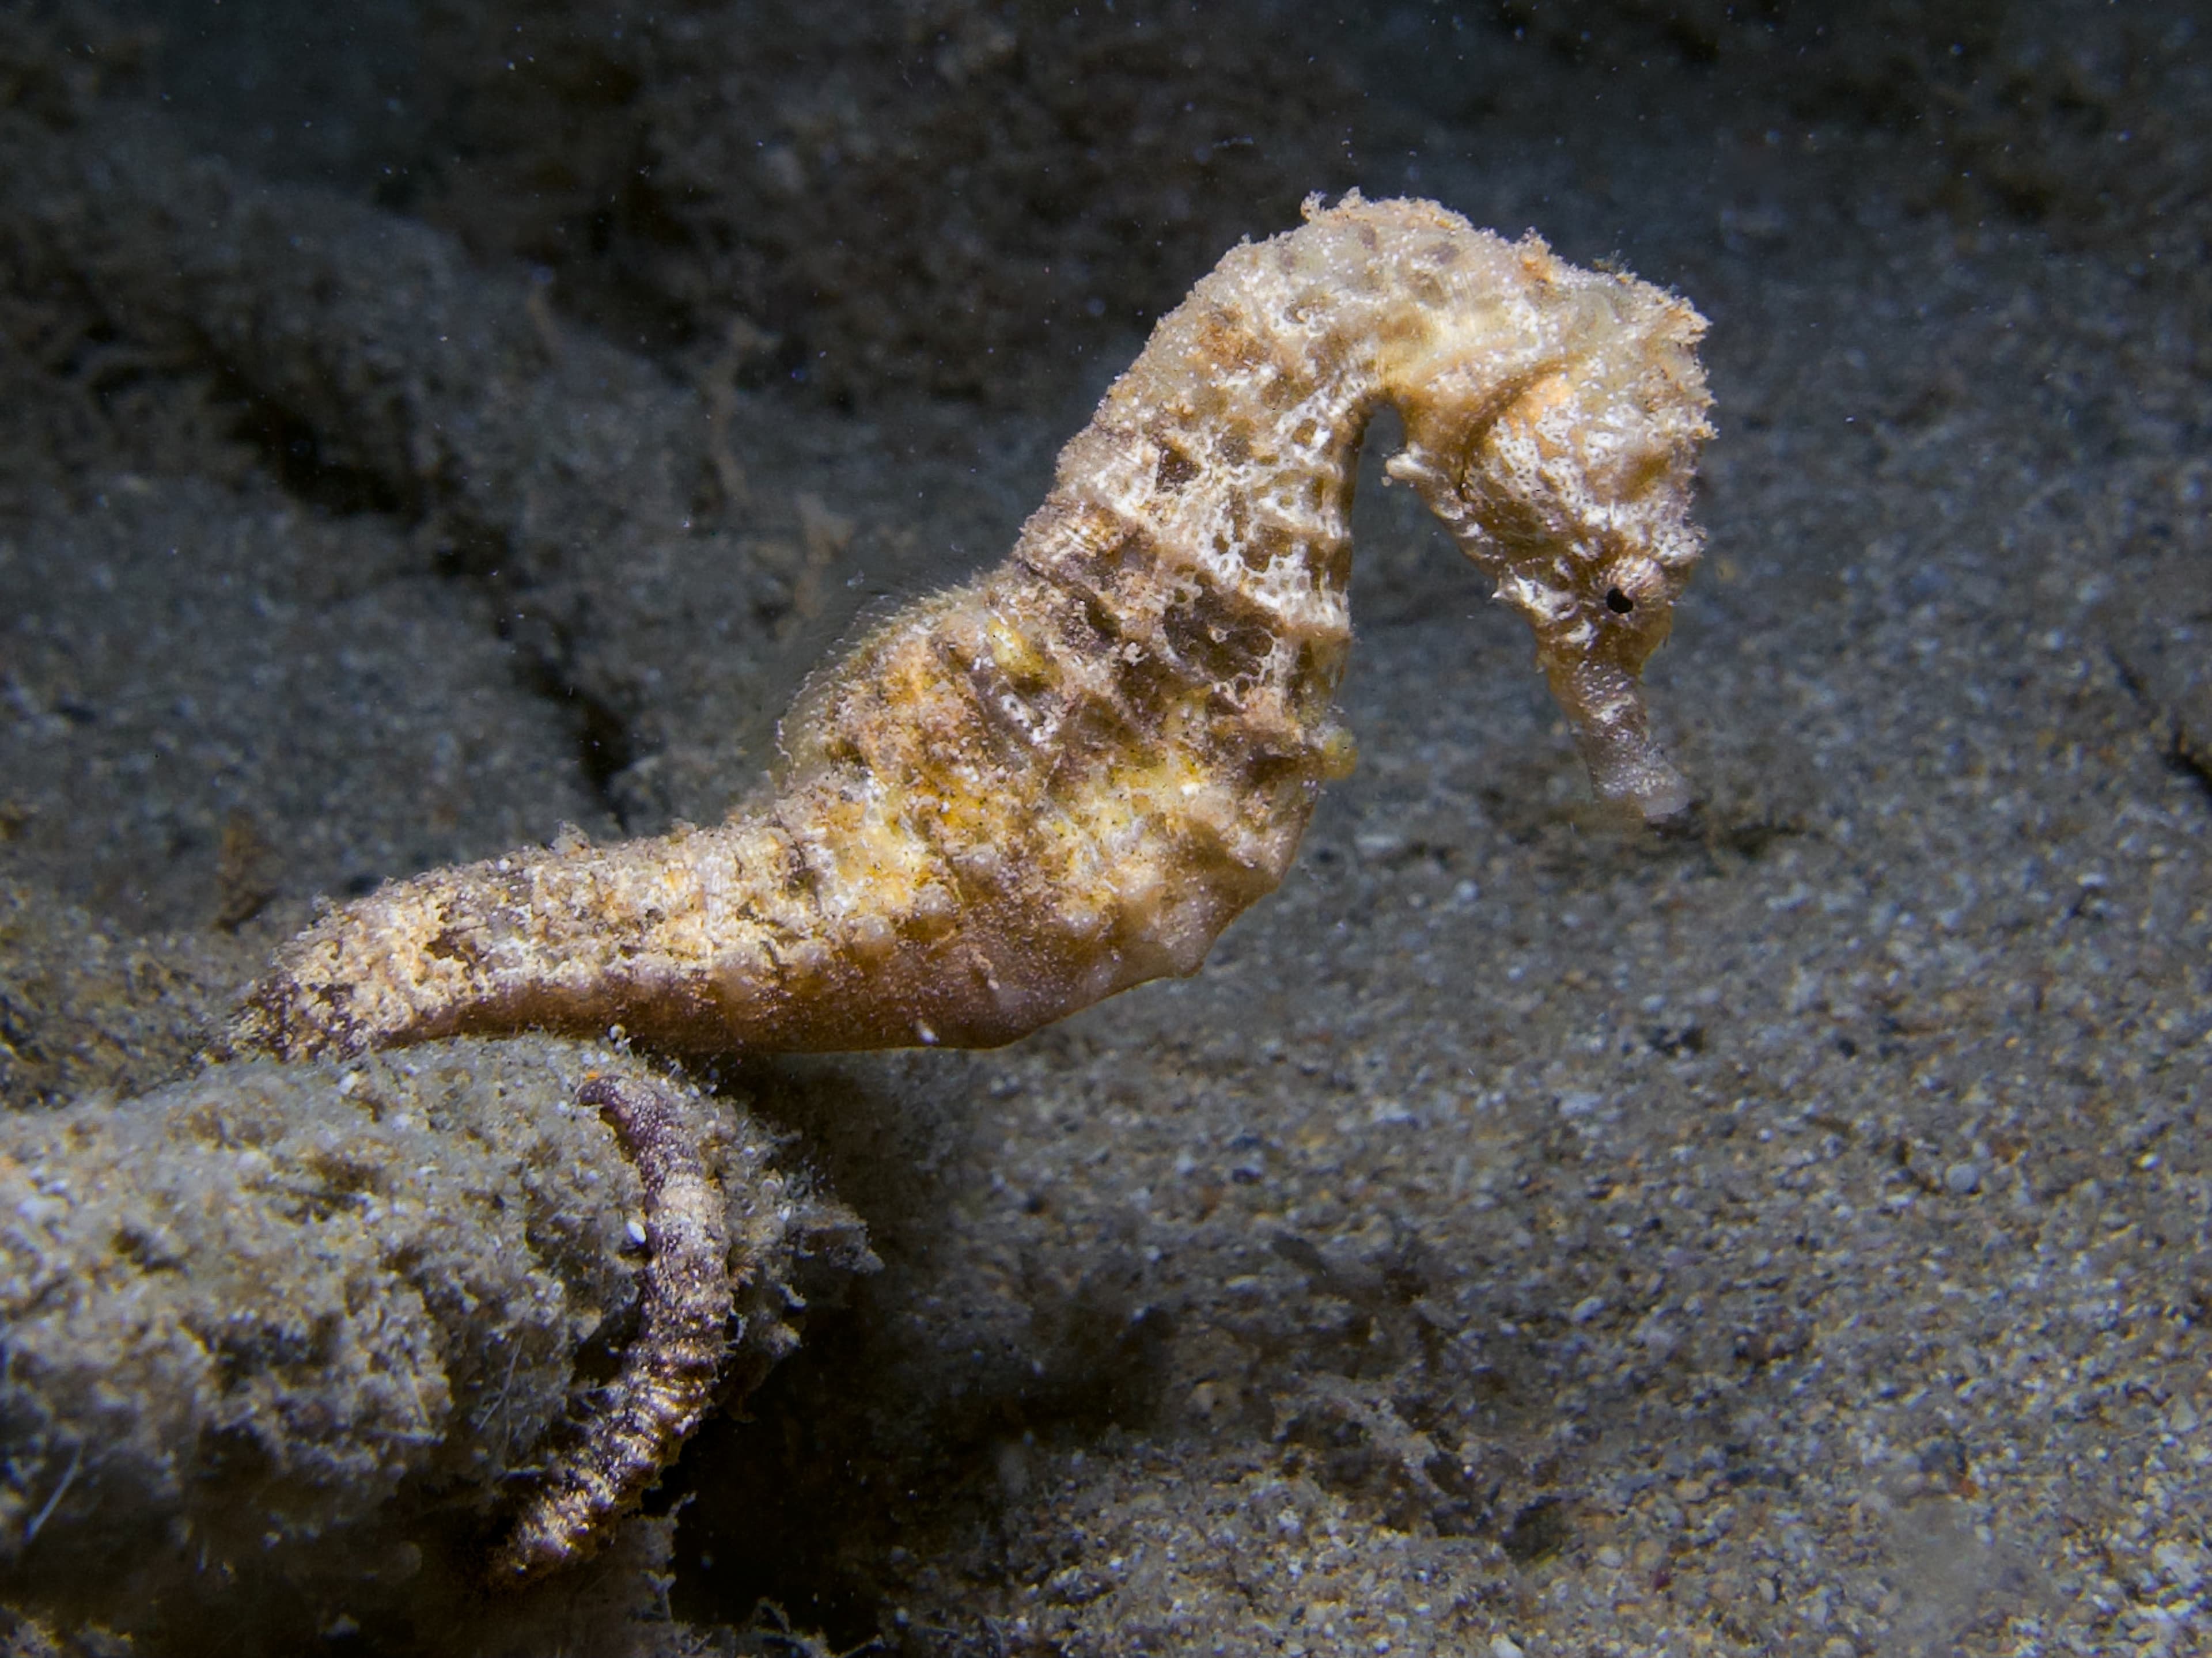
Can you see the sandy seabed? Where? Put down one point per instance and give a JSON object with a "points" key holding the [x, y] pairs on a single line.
{"points": [[1529, 1234]]}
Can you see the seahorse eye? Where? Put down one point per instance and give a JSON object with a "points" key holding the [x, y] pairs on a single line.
{"points": [[1618, 602]]}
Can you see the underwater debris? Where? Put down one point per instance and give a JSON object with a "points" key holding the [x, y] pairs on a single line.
{"points": [[1025, 794]]}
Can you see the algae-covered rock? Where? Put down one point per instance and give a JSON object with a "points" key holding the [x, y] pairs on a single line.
{"points": [[285, 1343]]}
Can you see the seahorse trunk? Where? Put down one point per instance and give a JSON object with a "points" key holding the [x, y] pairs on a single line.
{"points": [[1029, 792]]}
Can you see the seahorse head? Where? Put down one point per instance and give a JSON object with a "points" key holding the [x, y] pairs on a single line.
{"points": [[1566, 473]]}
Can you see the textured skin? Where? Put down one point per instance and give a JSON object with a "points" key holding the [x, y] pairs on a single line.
{"points": [[1027, 793]]}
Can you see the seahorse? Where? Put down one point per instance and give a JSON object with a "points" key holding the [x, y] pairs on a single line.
{"points": [[1066, 777]]}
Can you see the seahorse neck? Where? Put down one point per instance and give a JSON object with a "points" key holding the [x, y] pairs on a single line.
{"points": [[1219, 469]]}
